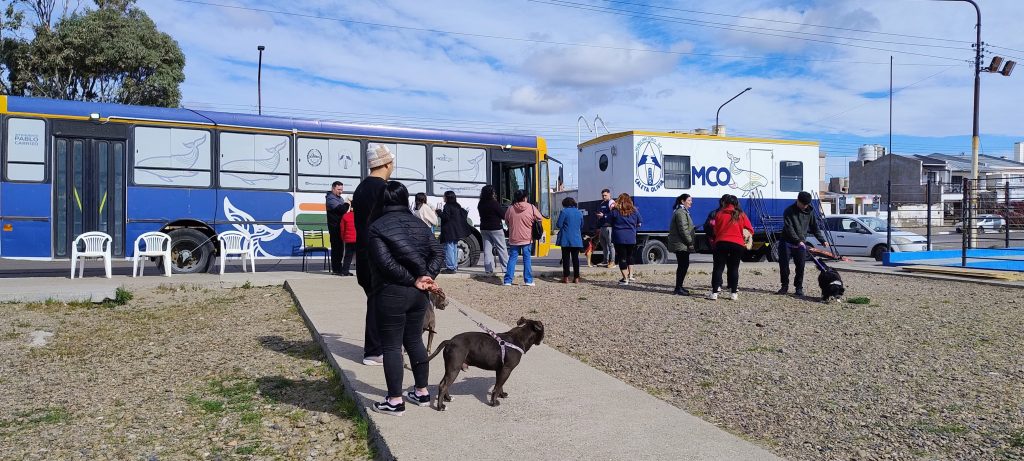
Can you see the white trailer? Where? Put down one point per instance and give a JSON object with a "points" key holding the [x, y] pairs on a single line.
{"points": [[656, 167]]}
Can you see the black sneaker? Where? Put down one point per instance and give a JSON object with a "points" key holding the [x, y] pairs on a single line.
{"points": [[782, 291], [388, 408], [799, 292], [682, 292], [418, 400]]}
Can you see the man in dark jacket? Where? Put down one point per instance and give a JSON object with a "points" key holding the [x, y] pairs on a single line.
{"points": [[336, 208], [366, 199], [797, 221]]}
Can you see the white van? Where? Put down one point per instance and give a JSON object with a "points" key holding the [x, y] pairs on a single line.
{"points": [[860, 235]]}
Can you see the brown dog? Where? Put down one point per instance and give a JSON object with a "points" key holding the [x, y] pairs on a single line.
{"points": [[480, 350]]}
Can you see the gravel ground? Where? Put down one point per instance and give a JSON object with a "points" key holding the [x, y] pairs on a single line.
{"points": [[925, 370], [176, 373]]}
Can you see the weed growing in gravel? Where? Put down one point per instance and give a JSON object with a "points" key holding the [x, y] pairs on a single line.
{"points": [[247, 285], [1017, 441], [38, 416], [859, 300], [122, 296]]}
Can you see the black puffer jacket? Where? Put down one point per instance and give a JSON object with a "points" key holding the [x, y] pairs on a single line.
{"points": [[401, 249]]}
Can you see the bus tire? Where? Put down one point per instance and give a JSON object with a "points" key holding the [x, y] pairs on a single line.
{"points": [[469, 251], [191, 251], [654, 252]]}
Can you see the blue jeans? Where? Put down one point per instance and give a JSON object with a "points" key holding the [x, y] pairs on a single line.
{"points": [[451, 255], [513, 255]]}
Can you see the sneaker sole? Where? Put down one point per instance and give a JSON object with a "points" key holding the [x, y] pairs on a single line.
{"points": [[391, 413]]}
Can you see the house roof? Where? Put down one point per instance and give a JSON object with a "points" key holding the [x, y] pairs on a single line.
{"points": [[986, 163]]}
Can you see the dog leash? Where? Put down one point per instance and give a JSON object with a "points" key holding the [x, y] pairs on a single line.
{"points": [[501, 342]]}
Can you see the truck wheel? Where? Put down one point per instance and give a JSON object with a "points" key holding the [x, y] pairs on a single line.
{"points": [[772, 252], [191, 250], [654, 252], [468, 251]]}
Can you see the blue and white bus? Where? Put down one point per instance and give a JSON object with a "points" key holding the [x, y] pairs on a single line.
{"points": [[70, 167]]}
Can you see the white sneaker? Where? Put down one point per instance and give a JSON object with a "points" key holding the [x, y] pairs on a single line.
{"points": [[530, 284], [373, 360], [631, 279], [734, 296], [712, 296], [506, 284]]}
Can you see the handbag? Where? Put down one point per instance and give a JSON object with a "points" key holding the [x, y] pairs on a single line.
{"points": [[538, 230], [748, 239]]}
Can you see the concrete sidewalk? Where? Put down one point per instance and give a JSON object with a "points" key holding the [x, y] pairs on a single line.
{"points": [[558, 407]]}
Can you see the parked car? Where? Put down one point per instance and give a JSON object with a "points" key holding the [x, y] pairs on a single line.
{"points": [[985, 222], [860, 235]]}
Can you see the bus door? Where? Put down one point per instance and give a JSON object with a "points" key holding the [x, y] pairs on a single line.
{"points": [[512, 171], [89, 195]]}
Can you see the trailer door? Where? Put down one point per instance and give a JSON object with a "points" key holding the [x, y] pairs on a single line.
{"points": [[761, 164]]}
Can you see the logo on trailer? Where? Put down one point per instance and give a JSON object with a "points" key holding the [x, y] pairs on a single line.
{"points": [[711, 175], [650, 175]]}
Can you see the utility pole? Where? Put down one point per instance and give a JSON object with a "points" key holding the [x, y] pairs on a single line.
{"points": [[259, 81]]}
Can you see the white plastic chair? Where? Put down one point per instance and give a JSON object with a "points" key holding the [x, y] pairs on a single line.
{"points": [[97, 245], [156, 244], [236, 243]]}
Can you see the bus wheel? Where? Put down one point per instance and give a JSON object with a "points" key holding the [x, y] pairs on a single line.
{"points": [[468, 251], [654, 252], [191, 250]]}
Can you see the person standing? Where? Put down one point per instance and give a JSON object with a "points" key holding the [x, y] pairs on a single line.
{"points": [[730, 222], [454, 227], [336, 208], [625, 221], [348, 235], [520, 218], [404, 260], [681, 239], [491, 230], [605, 234], [424, 211], [797, 220], [570, 238], [366, 198]]}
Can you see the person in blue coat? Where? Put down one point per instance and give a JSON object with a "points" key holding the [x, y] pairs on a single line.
{"points": [[570, 238], [626, 221]]}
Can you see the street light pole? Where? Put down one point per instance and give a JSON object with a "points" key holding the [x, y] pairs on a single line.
{"points": [[259, 81], [723, 105]]}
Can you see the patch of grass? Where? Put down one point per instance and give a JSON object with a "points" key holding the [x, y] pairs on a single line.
{"points": [[706, 384], [942, 428], [1017, 441], [122, 296], [36, 417], [247, 285], [859, 300], [13, 334], [251, 417]]}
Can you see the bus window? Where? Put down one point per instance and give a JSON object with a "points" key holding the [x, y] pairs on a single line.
{"points": [[172, 157], [459, 169], [26, 150], [254, 161], [323, 161], [545, 190], [410, 166]]}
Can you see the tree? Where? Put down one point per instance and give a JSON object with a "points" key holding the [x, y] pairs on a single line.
{"points": [[114, 53]]}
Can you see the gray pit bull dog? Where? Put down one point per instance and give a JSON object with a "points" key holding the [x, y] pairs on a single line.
{"points": [[480, 350]]}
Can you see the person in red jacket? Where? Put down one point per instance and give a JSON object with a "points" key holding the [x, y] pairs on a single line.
{"points": [[730, 224], [348, 235]]}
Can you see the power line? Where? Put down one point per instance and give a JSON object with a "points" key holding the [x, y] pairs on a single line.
{"points": [[549, 42], [580, 6], [793, 23]]}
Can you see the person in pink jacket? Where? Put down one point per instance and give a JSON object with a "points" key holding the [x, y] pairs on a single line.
{"points": [[520, 217]]}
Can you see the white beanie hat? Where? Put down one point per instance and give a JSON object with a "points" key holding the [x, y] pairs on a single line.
{"points": [[378, 155]]}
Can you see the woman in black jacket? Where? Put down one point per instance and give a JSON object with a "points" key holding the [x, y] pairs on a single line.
{"points": [[493, 235], [404, 259], [454, 227]]}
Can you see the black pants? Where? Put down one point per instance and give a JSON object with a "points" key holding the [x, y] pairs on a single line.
{"points": [[799, 257], [624, 254], [337, 248], [727, 254], [682, 266], [350, 252], [400, 312], [371, 344], [571, 254]]}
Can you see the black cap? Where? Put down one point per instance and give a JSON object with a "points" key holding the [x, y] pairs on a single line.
{"points": [[804, 197]]}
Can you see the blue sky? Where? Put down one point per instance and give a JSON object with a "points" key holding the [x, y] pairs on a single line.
{"points": [[818, 68]]}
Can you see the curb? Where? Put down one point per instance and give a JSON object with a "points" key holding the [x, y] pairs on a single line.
{"points": [[945, 278], [381, 445]]}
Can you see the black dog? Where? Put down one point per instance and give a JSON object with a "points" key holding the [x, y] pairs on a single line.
{"points": [[482, 351], [829, 280]]}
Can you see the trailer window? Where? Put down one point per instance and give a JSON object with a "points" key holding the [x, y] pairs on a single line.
{"points": [[677, 172], [791, 176]]}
